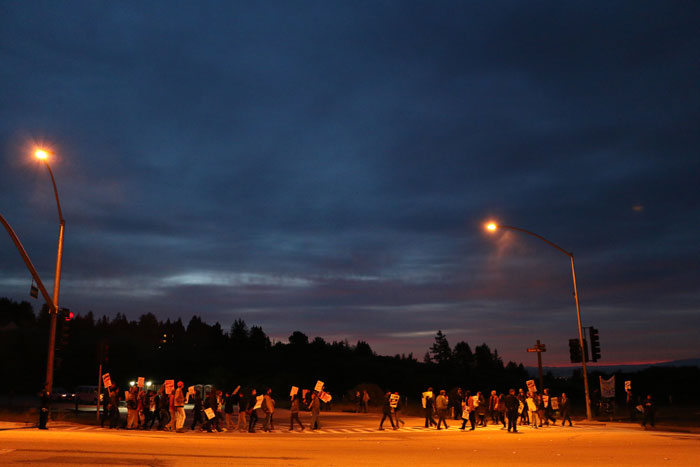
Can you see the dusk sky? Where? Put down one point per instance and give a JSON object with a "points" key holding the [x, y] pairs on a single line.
{"points": [[329, 166]]}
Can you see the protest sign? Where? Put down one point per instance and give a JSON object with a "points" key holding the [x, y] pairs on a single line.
{"points": [[106, 380], [531, 405], [545, 400], [394, 400], [169, 386], [258, 402], [422, 401], [210, 413], [607, 387], [190, 390], [294, 391], [628, 385], [325, 397], [141, 381], [555, 403], [428, 394], [319, 386], [531, 385]]}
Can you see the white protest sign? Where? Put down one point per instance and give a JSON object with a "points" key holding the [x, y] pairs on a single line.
{"points": [[475, 401], [325, 397], [555, 403], [531, 405], [258, 402], [319, 386], [545, 400], [531, 385], [628, 385], [422, 401], [294, 391], [394, 400], [106, 380], [141, 381], [428, 394], [169, 386], [210, 413], [190, 390]]}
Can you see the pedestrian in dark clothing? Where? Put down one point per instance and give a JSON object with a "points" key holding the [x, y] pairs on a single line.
{"points": [[429, 420], [44, 404], [386, 412], [441, 404], [197, 410], [565, 409], [294, 410], [114, 406], [649, 412], [512, 404], [252, 413], [163, 409]]}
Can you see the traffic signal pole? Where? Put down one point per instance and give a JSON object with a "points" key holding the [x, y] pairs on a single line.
{"points": [[589, 415]]}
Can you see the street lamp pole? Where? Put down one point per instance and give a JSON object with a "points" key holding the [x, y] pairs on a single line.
{"points": [[493, 227], [42, 155]]}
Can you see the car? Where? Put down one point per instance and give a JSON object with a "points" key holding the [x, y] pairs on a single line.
{"points": [[59, 394], [86, 394]]}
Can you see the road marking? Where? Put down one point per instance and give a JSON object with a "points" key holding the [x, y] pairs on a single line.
{"points": [[6, 451]]}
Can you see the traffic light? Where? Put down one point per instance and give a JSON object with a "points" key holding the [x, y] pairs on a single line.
{"points": [[595, 344], [66, 316], [575, 350]]}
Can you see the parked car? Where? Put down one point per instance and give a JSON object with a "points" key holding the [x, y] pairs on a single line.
{"points": [[86, 395], [61, 395]]}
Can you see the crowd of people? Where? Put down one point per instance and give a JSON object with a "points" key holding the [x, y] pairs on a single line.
{"points": [[216, 411], [510, 410]]}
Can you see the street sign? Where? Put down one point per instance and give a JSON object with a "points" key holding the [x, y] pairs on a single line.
{"points": [[533, 349]]}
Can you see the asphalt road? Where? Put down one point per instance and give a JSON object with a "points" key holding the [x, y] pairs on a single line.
{"points": [[348, 440]]}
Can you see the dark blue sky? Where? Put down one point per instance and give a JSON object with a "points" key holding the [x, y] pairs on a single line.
{"points": [[328, 166]]}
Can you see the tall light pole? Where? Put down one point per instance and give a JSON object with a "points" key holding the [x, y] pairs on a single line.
{"points": [[43, 156], [493, 227]]}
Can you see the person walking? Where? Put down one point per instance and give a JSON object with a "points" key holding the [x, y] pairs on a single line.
{"points": [[523, 409], [250, 409], [548, 410], [441, 404], [114, 406], [386, 412], [179, 404], [365, 400], [294, 413], [429, 408], [565, 408], [241, 401], [533, 402], [315, 407], [229, 402], [512, 405], [649, 412], [197, 414], [493, 407], [268, 407], [44, 405], [481, 408]]}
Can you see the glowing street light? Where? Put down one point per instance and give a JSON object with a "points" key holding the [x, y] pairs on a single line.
{"points": [[492, 227], [43, 155]]}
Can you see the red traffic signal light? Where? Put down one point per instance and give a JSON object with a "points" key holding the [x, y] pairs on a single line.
{"points": [[66, 314]]}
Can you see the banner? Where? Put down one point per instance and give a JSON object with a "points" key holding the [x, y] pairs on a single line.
{"points": [[210, 413], [169, 386], [607, 387], [531, 385], [141, 381], [293, 391], [106, 380], [319, 386]]}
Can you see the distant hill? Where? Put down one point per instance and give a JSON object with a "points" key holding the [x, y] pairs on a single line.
{"points": [[565, 371]]}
